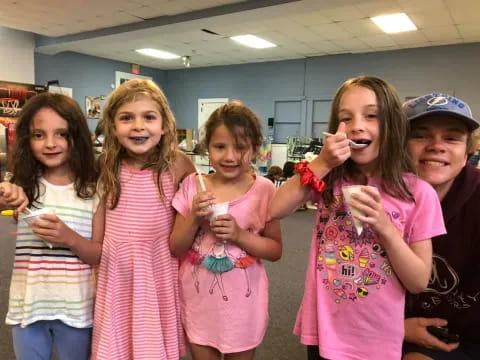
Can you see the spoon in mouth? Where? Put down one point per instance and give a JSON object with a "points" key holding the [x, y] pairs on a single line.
{"points": [[353, 144]]}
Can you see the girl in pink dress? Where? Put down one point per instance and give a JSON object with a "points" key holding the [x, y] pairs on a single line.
{"points": [[137, 314], [224, 286]]}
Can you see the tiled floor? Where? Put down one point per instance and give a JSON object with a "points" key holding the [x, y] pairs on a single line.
{"points": [[286, 286]]}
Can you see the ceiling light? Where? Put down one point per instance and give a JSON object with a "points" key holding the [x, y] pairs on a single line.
{"points": [[186, 60], [394, 23], [158, 54], [253, 41]]}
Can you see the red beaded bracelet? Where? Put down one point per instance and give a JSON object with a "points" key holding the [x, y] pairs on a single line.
{"points": [[307, 177]]}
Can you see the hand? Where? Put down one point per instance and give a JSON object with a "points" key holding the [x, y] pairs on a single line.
{"points": [[226, 228], [201, 204], [335, 150], [369, 204], [416, 333], [13, 195], [50, 228]]}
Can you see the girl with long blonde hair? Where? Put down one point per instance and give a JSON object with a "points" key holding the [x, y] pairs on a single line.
{"points": [[136, 313]]}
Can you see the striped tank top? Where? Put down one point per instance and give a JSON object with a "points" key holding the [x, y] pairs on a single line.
{"points": [[53, 283]]}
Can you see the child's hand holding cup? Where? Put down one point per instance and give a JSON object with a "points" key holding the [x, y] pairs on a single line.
{"points": [[347, 195], [35, 215], [217, 210]]}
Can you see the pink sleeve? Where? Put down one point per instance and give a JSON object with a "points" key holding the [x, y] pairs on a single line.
{"points": [[270, 193], [182, 201], [426, 220]]}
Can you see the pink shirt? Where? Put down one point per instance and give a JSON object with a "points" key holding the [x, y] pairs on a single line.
{"points": [[226, 310], [353, 304]]}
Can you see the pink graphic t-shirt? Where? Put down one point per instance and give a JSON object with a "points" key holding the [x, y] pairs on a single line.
{"points": [[224, 290], [353, 304]]}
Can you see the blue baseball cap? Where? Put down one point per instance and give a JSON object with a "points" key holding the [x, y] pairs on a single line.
{"points": [[440, 104]]}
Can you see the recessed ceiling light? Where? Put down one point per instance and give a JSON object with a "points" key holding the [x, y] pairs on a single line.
{"points": [[394, 23], [253, 41], [158, 54]]}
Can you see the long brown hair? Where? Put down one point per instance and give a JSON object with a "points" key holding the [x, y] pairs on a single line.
{"points": [[160, 160], [27, 170], [393, 160]]}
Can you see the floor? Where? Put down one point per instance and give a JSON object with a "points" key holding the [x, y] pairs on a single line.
{"points": [[286, 287]]}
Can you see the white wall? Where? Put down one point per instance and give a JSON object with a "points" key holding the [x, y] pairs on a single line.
{"points": [[16, 56]]}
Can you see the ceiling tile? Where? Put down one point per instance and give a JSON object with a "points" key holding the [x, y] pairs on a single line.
{"points": [[330, 31], [378, 40], [410, 6], [425, 19], [440, 33], [351, 44], [470, 30], [360, 27], [310, 18], [448, 42], [464, 11], [379, 7], [409, 38], [342, 13], [324, 46]]}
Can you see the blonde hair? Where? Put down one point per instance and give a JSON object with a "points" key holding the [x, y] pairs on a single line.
{"points": [[160, 160]]}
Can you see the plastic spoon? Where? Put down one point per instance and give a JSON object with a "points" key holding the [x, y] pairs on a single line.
{"points": [[200, 179], [353, 144]]}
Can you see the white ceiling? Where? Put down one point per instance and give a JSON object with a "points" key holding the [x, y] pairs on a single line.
{"points": [[113, 29]]}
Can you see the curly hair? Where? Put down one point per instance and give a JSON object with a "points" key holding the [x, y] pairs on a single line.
{"points": [[162, 156], [27, 169]]}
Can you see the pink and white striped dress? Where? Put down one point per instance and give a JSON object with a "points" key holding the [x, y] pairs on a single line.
{"points": [[137, 314]]}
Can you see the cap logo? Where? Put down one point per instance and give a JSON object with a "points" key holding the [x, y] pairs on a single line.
{"points": [[437, 101]]}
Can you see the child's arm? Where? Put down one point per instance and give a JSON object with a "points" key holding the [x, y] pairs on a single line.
{"points": [[412, 263], [267, 246], [186, 227], [289, 197], [182, 166], [12, 195], [50, 228], [292, 194]]}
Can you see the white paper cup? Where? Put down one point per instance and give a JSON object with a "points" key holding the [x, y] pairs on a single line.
{"points": [[218, 209], [35, 215], [347, 194]]}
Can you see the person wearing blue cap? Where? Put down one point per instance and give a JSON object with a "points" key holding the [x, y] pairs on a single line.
{"points": [[443, 322]]}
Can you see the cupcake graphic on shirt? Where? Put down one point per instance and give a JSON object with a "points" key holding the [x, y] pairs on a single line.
{"points": [[363, 258]]}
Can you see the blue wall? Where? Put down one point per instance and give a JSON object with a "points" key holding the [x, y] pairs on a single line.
{"points": [[87, 75], [257, 85], [411, 71], [454, 69]]}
